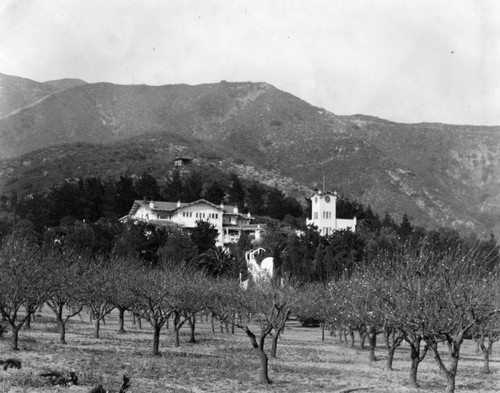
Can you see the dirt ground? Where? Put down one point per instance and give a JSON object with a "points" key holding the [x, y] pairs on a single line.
{"points": [[220, 362]]}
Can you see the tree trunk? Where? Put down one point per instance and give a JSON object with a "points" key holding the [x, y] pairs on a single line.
{"points": [[156, 340], [139, 322], [372, 336], [263, 375], [192, 325], [450, 383], [486, 359], [322, 332], [387, 337], [60, 323], [259, 347], [274, 346], [450, 374], [415, 357], [27, 325], [121, 320], [177, 342], [97, 327], [391, 345], [213, 324], [15, 338], [362, 338], [351, 334], [390, 357], [62, 330]]}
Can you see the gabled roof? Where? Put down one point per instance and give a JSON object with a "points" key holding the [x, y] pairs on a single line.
{"points": [[170, 207]]}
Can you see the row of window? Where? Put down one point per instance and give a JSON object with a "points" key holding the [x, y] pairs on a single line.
{"points": [[326, 215], [201, 215]]}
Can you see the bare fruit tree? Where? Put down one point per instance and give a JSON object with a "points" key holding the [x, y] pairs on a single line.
{"points": [[22, 283], [186, 297], [150, 288], [64, 269], [99, 286], [263, 306]]}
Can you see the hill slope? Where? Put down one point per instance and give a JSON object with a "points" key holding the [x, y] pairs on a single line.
{"points": [[438, 174]]}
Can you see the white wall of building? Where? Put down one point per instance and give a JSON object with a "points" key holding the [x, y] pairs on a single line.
{"points": [[324, 214]]}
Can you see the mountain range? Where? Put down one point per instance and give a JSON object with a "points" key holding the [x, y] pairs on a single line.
{"points": [[437, 174]]}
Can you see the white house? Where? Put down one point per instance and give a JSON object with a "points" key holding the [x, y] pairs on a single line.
{"points": [[324, 214], [226, 219]]}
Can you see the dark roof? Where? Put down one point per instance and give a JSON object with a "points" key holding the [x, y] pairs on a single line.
{"points": [[170, 206]]}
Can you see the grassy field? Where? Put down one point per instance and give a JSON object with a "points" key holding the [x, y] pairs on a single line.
{"points": [[219, 362]]}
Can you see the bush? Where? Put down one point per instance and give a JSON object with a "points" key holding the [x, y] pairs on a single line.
{"points": [[309, 322]]}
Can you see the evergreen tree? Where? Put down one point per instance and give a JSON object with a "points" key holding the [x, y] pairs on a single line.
{"points": [[328, 265], [214, 193], [178, 249], [239, 249], [173, 190], [405, 228], [91, 191], [125, 195], [255, 199], [236, 192], [192, 187], [275, 204], [147, 186], [388, 222], [204, 236]]}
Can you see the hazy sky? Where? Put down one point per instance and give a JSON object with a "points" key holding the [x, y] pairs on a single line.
{"points": [[407, 61]]}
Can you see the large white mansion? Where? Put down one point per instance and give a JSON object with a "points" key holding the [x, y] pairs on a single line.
{"points": [[225, 218], [324, 214]]}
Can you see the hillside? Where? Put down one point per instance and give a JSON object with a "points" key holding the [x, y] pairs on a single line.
{"points": [[438, 174], [18, 93]]}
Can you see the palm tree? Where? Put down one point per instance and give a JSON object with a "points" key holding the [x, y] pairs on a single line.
{"points": [[217, 262]]}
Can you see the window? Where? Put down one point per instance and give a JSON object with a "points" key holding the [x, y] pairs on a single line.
{"points": [[315, 216]]}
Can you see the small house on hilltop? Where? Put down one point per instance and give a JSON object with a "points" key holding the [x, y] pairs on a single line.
{"points": [[324, 214], [225, 218], [181, 161]]}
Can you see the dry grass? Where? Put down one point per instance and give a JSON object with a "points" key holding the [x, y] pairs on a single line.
{"points": [[219, 362]]}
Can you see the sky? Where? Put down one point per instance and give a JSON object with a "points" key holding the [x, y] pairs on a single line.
{"points": [[406, 61]]}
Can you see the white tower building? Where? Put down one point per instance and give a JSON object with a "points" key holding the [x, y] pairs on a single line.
{"points": [[324, 214]]}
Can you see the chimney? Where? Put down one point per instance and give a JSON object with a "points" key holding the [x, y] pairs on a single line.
{"points": [[179, 203], [235, 209], [222, 206], [151, 204], [248, 215]]}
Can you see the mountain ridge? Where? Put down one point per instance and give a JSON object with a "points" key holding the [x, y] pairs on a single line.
{"points": [[438, 174]]}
